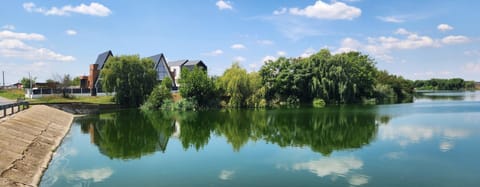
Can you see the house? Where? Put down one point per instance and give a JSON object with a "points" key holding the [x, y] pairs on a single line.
{"points": [[177, 66], [162, 68], [171, 69], [94, 76]]}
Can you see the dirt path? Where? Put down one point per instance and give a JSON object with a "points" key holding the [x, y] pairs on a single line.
{"points": [[27, 142]]}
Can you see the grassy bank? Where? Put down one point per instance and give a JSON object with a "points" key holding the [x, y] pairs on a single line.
{"points": [[12, 93], [60, 99]]}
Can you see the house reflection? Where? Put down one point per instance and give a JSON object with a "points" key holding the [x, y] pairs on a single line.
{"points": [[130, 134]]}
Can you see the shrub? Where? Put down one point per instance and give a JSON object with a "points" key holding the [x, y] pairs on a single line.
{"points": [[318, 103]]}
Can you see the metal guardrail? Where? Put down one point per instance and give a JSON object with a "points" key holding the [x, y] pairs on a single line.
{"points": [[21, 105]]}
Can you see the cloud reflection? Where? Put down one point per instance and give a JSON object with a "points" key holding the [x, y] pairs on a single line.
{"points": [[335, 167], [357, 180], [97, 175], [226, 174]]}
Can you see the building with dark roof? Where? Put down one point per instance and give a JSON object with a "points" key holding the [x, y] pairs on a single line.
{"points": [[178, 65], [162, 68], [171, 69]]}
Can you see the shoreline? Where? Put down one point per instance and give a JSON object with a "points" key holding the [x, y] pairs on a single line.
{"points": [[28, 141]]}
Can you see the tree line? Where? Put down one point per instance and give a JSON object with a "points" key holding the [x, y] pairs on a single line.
{"points": [[444, 84], [322, 78]]}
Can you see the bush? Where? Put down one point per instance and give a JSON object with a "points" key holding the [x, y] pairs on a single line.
{"points": [[183, 104], [318, 103], [156, 99]]}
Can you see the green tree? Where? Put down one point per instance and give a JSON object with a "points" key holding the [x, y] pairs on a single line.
{"points": [[236, 86], [27, 83], [197, 86], [160, 93], [131, 78], [76, 81]]}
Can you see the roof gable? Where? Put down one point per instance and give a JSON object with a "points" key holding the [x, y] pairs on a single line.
{"points": [[102, 58]]}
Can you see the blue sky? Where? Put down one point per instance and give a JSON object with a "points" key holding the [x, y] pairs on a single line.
{"points": [[415, 39]]}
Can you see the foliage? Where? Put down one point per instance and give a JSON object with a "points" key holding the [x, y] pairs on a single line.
{"points": [[241, 89], [318, 103], [391, 87], [181, 105], [340, 78], [12, 93], [62, 82], [76, 81], [195, 85], [444, 84], [132, 78], [27, 83], [159, 94]]}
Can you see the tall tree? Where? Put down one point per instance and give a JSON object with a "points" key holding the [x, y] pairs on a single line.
{"points": [[197, 86], [131, 78]]}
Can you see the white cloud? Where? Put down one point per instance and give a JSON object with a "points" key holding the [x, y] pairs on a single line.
{"points": [[357, 180], [93, 9], [391, 19], [444, 27], [239, 59], [455, 39], [8, 27], [281, 53], [349, 44], [216, 52], [20, 36], [71, 32], [268, 58], [472, 53], [17, 48], [321, 10], [330, 166], [308, 52], [472, 67], [97, 175], [238, 46], [280, 11], [224, 5], [402, 31], [265, 42], [226, 174]]}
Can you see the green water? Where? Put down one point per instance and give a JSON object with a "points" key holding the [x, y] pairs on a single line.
{"points": [[431, 142]]}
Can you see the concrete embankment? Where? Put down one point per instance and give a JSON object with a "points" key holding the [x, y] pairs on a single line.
{"points": [[27, 141]]}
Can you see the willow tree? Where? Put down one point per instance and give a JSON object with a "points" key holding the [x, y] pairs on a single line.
{"points": [[235, 84], [131, 78]]}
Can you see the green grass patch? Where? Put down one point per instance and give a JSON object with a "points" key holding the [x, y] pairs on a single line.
{"points": [[60, 99], [12, 93]]}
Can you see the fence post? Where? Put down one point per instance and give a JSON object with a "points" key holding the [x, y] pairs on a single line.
{"points": [[13, 106]]}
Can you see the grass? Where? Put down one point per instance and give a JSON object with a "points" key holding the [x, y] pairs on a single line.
{"points": [[12, 93], [60, 99]]}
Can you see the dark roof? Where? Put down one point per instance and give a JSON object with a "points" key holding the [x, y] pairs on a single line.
{"points": [[177, 63], [102, 58], [156, 58], [193, 62]]}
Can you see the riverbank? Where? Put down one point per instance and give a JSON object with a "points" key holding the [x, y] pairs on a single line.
{"points": [[27, 142]]}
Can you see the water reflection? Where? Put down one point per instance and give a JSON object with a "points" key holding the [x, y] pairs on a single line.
{"points": [[130, 134]]}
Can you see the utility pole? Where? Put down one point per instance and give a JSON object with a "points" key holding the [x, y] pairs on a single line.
{"points": [[3, 76]]}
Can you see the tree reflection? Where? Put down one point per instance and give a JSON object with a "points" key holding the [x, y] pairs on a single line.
{"points": [[130, 134]]}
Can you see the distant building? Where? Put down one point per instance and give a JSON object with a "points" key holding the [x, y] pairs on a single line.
{"points": [[171, 69], [162, 68], [177, 66]]}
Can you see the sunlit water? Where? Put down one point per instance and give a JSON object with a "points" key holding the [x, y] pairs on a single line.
{"points": [[434, 141]]}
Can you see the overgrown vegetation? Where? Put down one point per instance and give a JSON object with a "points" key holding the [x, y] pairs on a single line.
{"points": [[12, 93], [131, 78], [444, 84]]}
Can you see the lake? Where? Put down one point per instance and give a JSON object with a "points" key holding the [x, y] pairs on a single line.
{"points": [[434, 141]]}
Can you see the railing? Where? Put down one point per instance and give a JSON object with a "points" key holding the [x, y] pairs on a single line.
{"points": [[40, 92], [22, 105]]}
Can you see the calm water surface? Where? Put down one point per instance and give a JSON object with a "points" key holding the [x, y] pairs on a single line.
{"points": [[431, 142]]}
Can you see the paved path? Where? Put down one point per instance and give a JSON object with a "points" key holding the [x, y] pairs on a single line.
{"points": [[5, 101], [27, 142]]}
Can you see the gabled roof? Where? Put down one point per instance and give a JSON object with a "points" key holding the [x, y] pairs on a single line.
{"points": [[102, 58], [161, 67], [193, 62], [157, 59], [177, 63]]}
